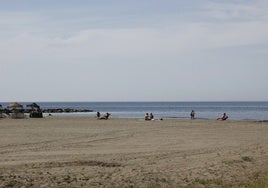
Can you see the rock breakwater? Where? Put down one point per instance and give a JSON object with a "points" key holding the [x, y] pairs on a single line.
{"points": [[49, 110]]}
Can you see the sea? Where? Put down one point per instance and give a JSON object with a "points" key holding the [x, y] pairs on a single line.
{"points": [[245, 111]]}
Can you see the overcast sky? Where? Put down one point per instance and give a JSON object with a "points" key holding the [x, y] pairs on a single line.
{"points": [[125, 50]]}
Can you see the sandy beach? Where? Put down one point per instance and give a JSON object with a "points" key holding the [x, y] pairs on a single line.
{"points": [[86, 152]]}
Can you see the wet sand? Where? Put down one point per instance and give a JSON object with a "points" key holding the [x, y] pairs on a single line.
{"points": [[85, 152]]}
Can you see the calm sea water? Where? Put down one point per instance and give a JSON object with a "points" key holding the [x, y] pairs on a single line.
{"points": [[204, 110]]}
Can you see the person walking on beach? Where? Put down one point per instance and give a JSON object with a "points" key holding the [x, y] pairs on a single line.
{"points": [[192, 114]]}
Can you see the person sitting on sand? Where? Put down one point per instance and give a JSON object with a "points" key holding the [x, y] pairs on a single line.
{"points": [[147, 117], [106, 116], [224, 117], [98, 115], [151, 116]]}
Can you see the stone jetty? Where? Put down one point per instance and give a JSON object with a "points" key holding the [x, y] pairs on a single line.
{"points": [[49, 110], [64, 110]]}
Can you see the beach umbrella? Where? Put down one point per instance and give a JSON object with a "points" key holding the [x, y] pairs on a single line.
{"points": [[15, 105], [16, 110], [33, 105]]}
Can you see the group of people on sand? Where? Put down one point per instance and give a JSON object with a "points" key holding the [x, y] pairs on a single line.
{"points": [[105, 117], [148, 117], [222, 118]]}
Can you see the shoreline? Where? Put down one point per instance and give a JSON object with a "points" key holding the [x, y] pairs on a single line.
{"points": [[252, 111], [92, 115]]}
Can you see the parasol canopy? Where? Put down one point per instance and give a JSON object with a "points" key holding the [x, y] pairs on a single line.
{"points": [[33, 105], [15, 105]]}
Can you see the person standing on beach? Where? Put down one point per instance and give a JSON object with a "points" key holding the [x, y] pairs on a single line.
{"points": [[192, 114]]}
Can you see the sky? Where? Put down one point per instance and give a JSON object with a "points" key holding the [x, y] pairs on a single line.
{"points": [[125, 50]]}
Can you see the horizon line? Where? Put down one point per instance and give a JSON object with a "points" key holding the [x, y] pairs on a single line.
{"points": [[138, 101]]}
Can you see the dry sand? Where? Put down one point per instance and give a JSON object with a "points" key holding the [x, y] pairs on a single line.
{"points": [[85, 152]]}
